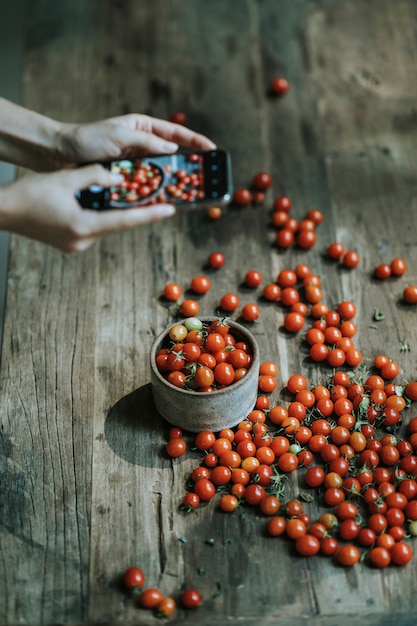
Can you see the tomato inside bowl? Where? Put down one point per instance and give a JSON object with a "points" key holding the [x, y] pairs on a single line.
{"points": [[143, 181]]}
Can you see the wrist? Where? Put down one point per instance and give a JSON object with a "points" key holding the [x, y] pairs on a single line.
{"points": [[27, 138], [6, 207]]}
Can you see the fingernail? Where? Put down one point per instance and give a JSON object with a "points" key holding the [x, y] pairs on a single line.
{"points": [[166, 210], [169, 146], [117, 178]]}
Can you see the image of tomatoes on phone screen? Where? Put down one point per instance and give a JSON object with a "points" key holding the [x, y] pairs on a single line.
{"points": [[185, 179]]}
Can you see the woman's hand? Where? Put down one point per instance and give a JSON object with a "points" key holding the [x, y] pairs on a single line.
{"points": [[125, 136], [44, 207]]}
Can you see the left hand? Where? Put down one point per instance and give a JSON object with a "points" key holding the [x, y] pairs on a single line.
{"points": [[125, 136]]}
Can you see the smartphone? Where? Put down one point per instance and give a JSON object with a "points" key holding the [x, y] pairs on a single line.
{"points": [[185, 179]]}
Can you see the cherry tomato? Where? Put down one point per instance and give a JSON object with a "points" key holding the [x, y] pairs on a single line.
{"points": [[410, 294], [329, 546], [282, 203], [251, 312], [189, 308], [307, 545], [401, 553], [253, 278], [134, 578], [191, 598], [382, 271], [270, 505], [166, 607], [348, 555], [178, 117], [215, 212], [228, 503], [175, 433], [267, 383], [150, 598], [295, 528], [314, 476], [276, 526], [288, 462], [379, 557], [205, 489], [176, 447], [242, 197], [224, 374], [306, 239], [172, 292], [271, 292], [335, 250], [204, 377], [200, 284], [285, 238], [262, 181], [279, 86], [411, 391], [229, 302], [398, 266], [350, 259], [191, 500], [216, 260]]}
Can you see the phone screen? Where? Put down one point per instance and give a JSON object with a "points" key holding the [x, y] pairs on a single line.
{"points": [[172, 178], [181, 178]]}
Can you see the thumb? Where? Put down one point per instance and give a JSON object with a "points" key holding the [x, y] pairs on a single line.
{"points": [[92, 175]]}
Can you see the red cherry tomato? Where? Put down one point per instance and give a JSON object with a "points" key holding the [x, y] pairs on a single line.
{"points": [[242, 197], [134, 578], [262, 181], [279, 86], [191, 598], [178, 117]]}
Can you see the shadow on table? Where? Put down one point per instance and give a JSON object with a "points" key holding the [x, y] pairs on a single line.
{"points": [[134, 429]]}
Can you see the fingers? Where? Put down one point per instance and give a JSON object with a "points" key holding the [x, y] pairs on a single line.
{"points": [[106, 222], [180, 134], [82, 177], [145, 142], [153, 134]]}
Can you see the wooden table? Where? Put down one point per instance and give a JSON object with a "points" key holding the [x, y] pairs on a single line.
{"points": [[86, 489]]}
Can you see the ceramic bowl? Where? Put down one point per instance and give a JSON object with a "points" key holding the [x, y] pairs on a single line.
{"points": [[195, 411]]}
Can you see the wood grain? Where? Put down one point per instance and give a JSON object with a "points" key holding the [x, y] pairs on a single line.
{"points": [[86, 489]]}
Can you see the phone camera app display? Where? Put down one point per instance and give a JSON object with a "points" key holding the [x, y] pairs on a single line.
{"points": [[177, 178]]}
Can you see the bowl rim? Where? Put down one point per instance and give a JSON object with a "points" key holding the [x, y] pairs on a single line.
{"points": [[189, 392]]}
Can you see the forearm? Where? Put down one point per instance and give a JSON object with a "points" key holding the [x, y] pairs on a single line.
{"points": [[28, 139]]}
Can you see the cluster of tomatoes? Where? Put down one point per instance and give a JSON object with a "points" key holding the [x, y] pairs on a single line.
{"points": [[153, 598], [344, 436], [202, 356], [186, 185], [141, 180], [291, 231]]}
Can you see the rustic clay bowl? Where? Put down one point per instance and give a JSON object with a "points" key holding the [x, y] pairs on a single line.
{"points": [[195, 411]]}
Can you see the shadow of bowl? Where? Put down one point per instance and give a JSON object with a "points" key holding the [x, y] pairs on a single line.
{"points": [[134, 429]]}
